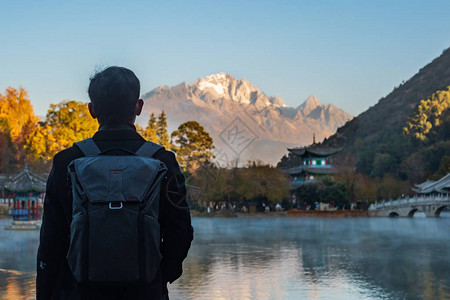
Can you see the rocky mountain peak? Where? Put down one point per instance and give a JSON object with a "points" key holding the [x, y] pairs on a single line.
{"points": [[226, 87], [277, 101], [311, 103], [218, 100], [214, 82]]}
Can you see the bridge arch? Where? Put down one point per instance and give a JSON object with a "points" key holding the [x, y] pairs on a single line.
{"points": [[438, 211], [431, 206], [412, 212], [393, 214]]}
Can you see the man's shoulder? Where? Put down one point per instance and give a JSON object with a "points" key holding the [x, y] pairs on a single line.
{"points": [[64, 157], [67, 155], [166, 156], [164, 153], [170, 160]]}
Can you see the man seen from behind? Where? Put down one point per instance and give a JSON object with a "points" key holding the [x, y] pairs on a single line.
{"points": [[103, 234]]}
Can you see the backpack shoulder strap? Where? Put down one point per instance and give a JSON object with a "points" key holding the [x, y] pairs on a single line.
{"points": [[148, 149], [88, 147]]}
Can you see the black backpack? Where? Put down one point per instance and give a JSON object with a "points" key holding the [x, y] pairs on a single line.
{"points": [[115, 233]]}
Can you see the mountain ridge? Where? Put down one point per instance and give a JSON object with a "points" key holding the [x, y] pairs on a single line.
{"points": [[378, 130], [218, 99]]}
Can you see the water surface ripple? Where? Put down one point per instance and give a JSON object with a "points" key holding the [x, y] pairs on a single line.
{"points": [[286, 258], [317, 258]]}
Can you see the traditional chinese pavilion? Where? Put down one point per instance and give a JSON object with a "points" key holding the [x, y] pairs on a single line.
{"points": [[429, 187], [27, 189], [312, 163]]}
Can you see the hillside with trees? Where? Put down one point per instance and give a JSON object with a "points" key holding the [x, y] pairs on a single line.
{"points": [[406, 134], [402, 140]]}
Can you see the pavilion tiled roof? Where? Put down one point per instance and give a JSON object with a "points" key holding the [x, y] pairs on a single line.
{"points": [[439, 186], [424, 184], [295, 185], [315, 150], [25, 181], [328, 170], [320, 170], [3, 181]]}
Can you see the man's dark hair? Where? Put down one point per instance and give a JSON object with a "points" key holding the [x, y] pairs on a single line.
{"points": [[114, 93]]}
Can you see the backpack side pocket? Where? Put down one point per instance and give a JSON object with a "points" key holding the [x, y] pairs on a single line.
{"points": [[76, 255], [151, 242]]}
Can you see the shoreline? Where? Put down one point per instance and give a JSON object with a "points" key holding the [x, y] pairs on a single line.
{"points": [[328, 213], [293, 213]]}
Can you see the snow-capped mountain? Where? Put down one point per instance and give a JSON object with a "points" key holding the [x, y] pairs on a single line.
{"points": [[225, 86], [226, 106]]}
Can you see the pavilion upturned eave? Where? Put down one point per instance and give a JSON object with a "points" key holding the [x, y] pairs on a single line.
{"points": [[328, 170], [25, 182], [314, 150], [441, 186]]}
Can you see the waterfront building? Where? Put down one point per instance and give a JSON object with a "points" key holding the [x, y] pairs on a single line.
{"points": [[309, 164], [430, 187], [26, 189], [312, 163], [5, 197]]}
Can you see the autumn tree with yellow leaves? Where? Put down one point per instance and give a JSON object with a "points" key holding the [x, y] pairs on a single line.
{"points": [[428, 115], [66, 123], [17, 119], [26, 139]]}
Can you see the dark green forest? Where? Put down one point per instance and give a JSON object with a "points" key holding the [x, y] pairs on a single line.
{"points": [[402, 140], [406, 134]]}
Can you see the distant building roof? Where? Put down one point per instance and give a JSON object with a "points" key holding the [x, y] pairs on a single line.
{"points": [[423, 184], [295, 185], [314, 150], [439, 186], [313, 170], [3, 180], [320, 170], [25, 181]]}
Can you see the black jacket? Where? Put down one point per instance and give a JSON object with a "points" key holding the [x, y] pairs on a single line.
{"points": [[54, 279]]}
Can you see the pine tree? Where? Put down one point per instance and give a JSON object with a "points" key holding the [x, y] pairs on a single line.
{"points": [[150, 130], [161, 131], [140, 129], [193, 145]]}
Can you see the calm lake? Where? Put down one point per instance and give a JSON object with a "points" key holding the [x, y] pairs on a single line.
{"points": [[286, 258]]}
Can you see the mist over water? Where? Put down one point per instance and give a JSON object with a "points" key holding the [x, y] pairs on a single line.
{"points": [[17, 262], [317, 258], [286, 258]]}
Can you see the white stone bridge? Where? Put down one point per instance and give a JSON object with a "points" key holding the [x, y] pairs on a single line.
{"points": [[431, 205]]}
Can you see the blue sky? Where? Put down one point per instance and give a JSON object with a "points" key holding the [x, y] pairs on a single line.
{"points": [[349, 53]]}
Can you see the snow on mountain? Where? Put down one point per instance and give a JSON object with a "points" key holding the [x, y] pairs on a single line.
{"points": [[221, 104], [215, 81]]}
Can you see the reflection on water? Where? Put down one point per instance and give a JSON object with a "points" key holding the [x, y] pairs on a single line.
{"points": [[302, 258], [16, 285], [286, 258], [17, 263]]}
